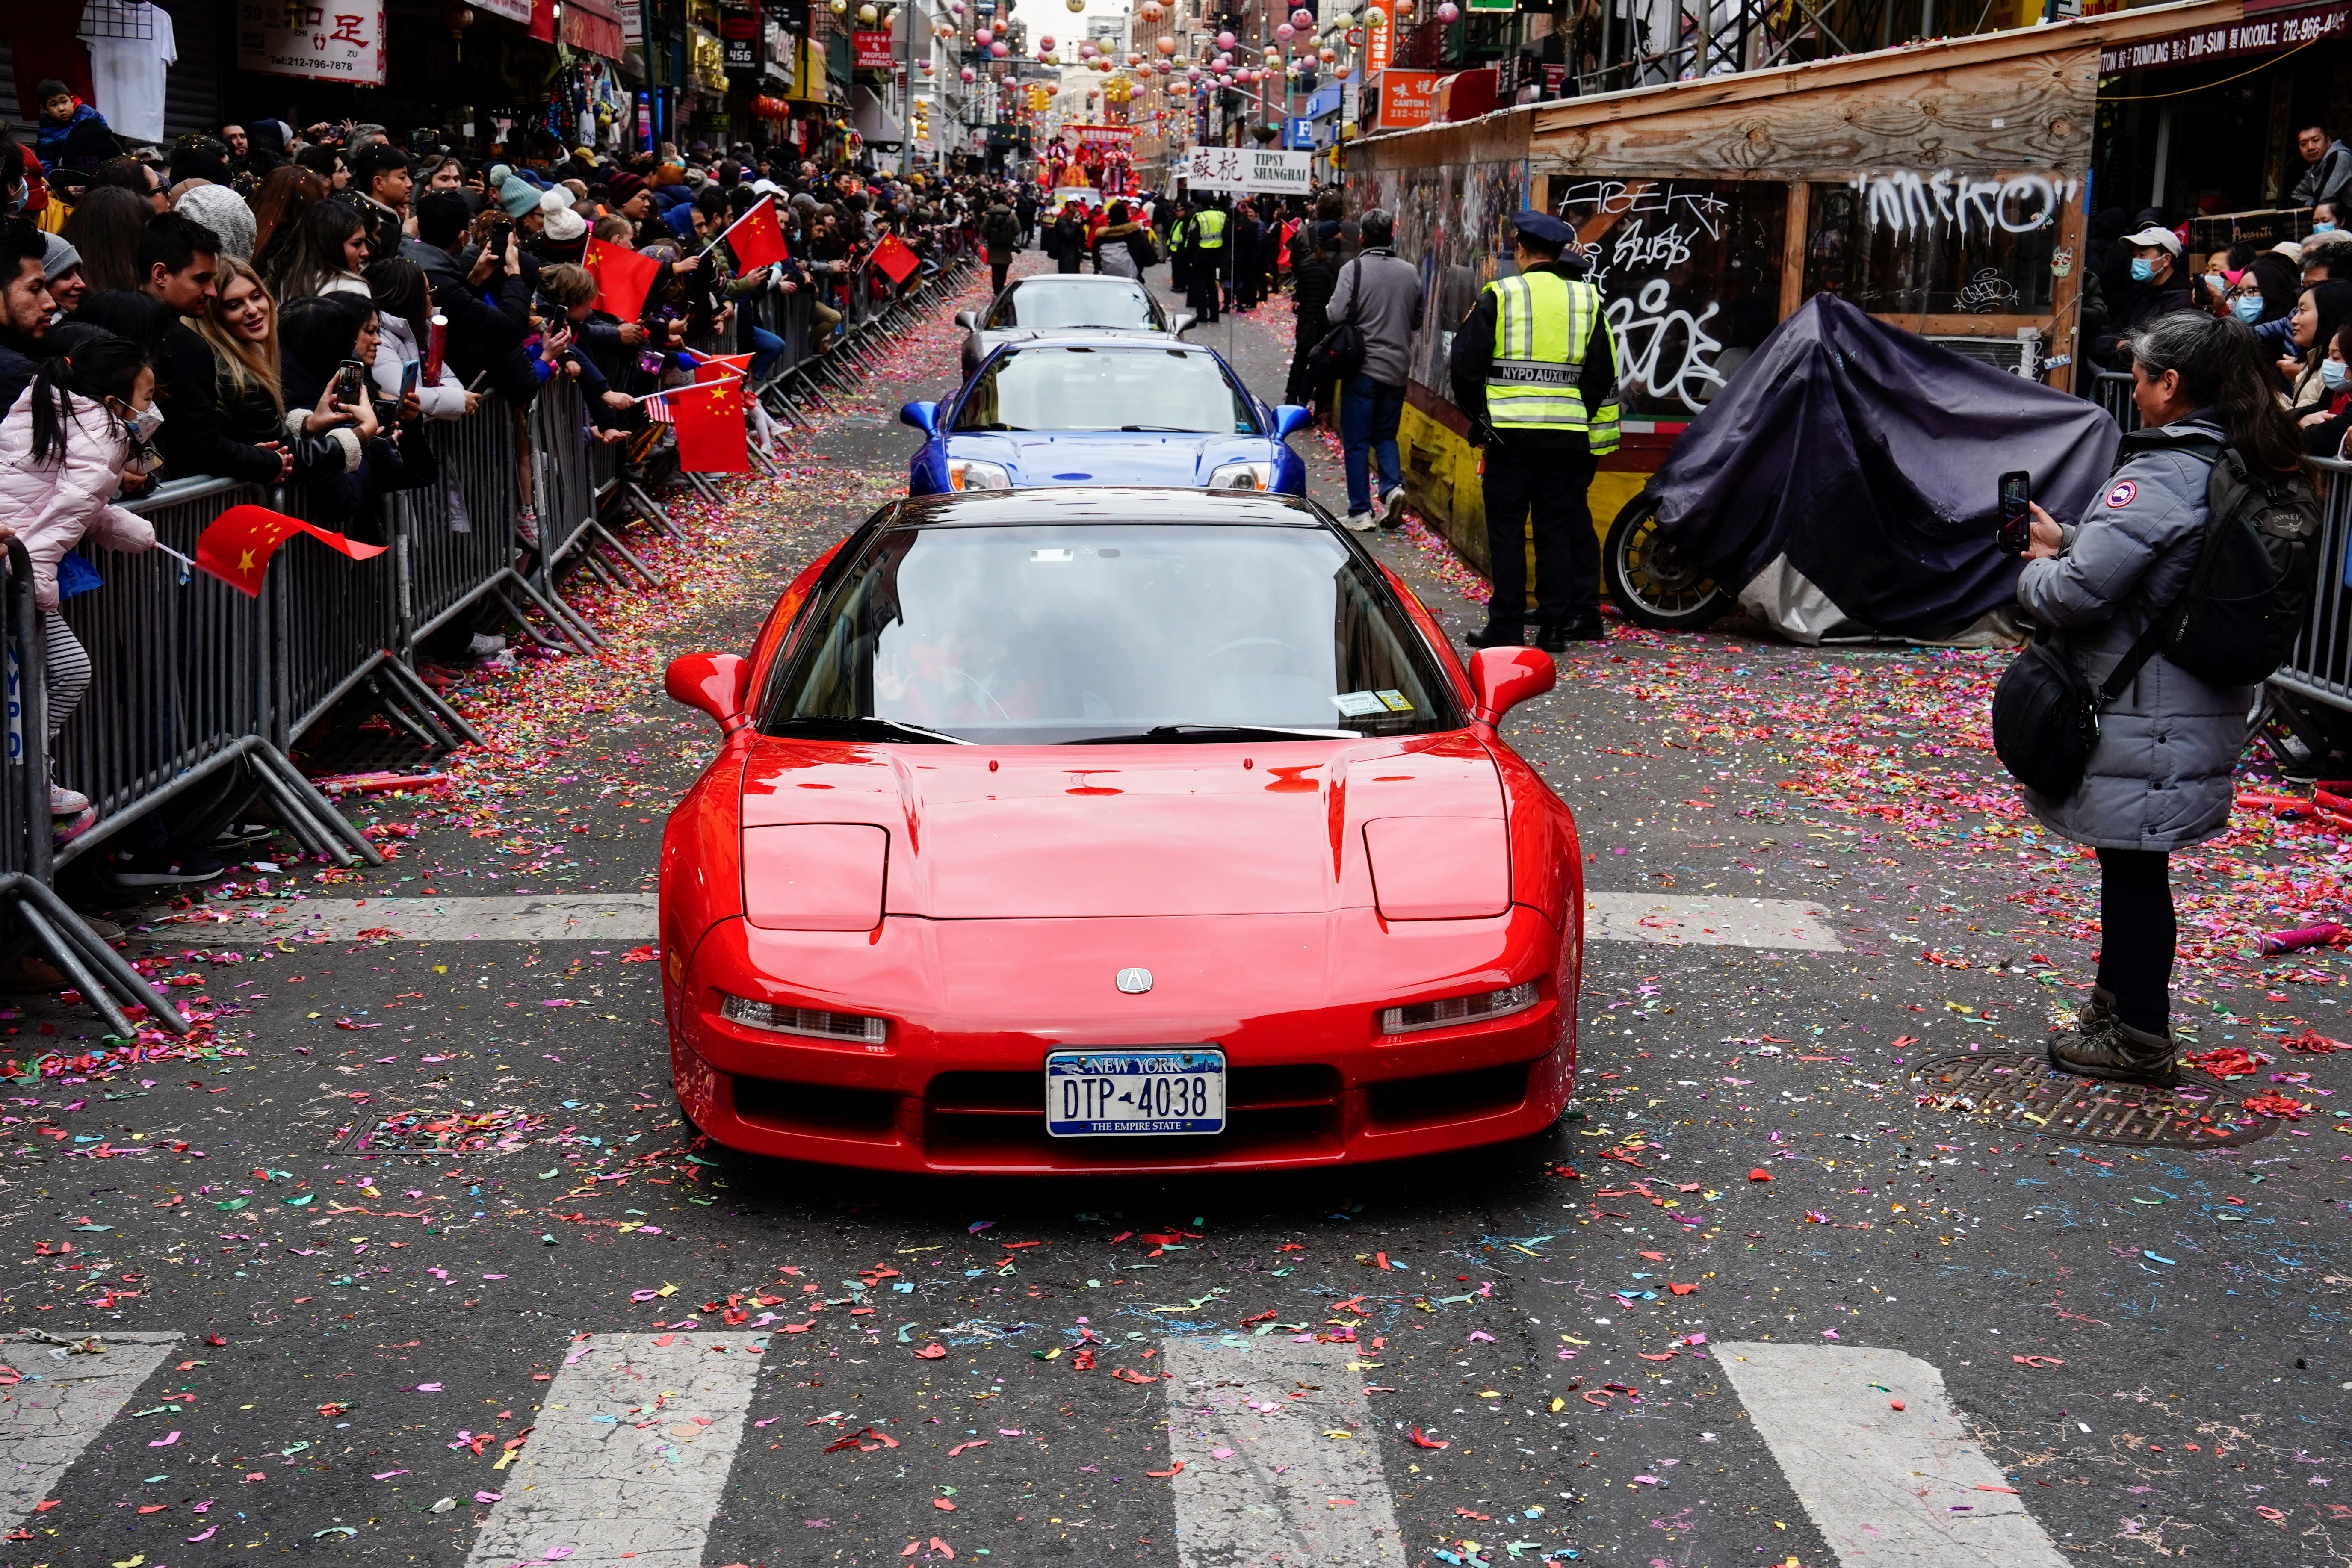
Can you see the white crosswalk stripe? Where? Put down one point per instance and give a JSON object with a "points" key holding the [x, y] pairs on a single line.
{"points": [[630, 1455], [1679, 919], [63, 1401], [553, 917], [1884, 1486], [1299, 1480]]}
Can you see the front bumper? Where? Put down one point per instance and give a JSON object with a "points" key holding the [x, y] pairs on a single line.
{"points": [[1309, 1082]]}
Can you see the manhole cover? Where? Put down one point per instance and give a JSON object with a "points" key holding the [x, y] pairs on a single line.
{"points": [[2020, 1092], [442, 1133]]}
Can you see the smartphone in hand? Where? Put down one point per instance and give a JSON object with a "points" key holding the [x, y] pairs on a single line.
{"points": [[2016, 535]]}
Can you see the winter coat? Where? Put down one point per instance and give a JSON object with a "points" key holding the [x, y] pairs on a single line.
{"points": [[1124, 249], [53, 506], [2159, 777], [249, 415], [487, 325], [396, 349]]}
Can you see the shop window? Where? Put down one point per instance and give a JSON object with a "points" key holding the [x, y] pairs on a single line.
{"points": [[1937, 244], [1690, 274]]}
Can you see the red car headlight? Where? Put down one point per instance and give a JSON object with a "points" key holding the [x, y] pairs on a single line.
{"points": [[1475, 1008], [814, 875], [810, 1021]]}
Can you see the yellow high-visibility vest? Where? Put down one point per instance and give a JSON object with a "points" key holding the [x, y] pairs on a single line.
{"points": [[1209, 229], [1542, 323]]}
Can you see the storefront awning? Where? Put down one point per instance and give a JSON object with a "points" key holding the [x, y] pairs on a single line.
{"points": [[595, 26], [2268, 32]]}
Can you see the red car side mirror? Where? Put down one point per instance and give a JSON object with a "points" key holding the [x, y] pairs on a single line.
{"points": [[1501, 679], [716, 683]]}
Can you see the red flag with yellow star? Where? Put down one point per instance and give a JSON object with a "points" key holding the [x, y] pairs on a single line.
{"points": [[756, 238], [238, 544], [708, 419], [623, 277], [897, 258]]}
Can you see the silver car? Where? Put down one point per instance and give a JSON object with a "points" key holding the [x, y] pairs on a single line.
{"points": [[1061, 303]]}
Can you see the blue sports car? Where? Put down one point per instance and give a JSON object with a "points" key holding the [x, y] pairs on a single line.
{"points": [[1104, 411]]}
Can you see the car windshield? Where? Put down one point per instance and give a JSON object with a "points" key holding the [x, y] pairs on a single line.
{"points": [[1053, 634], [1044, 304], [1081, 388]]}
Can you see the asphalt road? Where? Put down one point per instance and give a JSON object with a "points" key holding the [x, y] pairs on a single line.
{"points": [[1927, 1338]]}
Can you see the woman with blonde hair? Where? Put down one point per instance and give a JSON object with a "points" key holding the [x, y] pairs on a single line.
{"points": [[240, 326]]}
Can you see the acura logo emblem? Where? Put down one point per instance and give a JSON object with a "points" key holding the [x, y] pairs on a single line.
{"points": [[1135, 982]]}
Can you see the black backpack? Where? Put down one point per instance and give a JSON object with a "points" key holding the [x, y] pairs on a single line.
{"points": [[1000, 230], [1340, 355], [2233, 623], [2237, 617]]}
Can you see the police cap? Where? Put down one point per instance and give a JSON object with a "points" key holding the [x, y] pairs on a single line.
{"points": [[1544, 230]]}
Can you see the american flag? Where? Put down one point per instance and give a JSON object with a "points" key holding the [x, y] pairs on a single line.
{"points": [[658, 411]]}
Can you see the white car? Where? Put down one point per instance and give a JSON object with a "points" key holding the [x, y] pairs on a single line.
{"points": [[1059, 304]]}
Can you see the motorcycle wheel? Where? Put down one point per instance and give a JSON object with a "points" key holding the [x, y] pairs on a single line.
{"points": [[1649, 579]]}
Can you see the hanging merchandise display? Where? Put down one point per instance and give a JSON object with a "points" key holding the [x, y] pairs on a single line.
{"points": [[132, 48]]}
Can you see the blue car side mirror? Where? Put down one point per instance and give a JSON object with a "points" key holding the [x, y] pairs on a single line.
{"points": [[923, 416], [1290, 419]]}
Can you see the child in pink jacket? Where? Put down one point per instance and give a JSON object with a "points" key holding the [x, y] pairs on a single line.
{"points": [[64, 448]]}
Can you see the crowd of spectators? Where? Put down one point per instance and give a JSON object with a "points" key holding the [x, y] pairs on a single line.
{"points": [[296, 309]]}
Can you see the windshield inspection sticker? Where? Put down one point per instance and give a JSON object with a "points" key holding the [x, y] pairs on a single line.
{"points": [[1395, 701], [1358, 704]]}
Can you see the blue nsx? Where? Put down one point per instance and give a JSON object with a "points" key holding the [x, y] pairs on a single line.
{"points": [[1104, 411]]}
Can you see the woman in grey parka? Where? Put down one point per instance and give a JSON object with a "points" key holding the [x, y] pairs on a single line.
{"points": [[2159, 778]]}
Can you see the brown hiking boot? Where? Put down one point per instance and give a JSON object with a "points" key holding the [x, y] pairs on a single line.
{"points": [[2114, 1049]]}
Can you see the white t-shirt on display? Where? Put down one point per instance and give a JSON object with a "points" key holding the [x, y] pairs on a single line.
{"points": [[128, 73]]}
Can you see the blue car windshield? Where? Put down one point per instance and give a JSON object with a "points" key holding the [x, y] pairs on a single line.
{"points": [[1069, 388], [1051, 304], [1049, 634]]}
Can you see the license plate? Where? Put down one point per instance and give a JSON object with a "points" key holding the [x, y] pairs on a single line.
{"points": [[1110, 1094]]}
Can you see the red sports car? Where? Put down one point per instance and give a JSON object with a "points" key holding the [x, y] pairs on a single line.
{"points": [[1133, 830]]}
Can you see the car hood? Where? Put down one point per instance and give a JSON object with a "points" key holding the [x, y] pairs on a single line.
{"points": [[1111, 458], [993, 833]]}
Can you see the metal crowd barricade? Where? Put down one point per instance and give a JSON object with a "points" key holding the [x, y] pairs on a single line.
{"points": [[187, 679], [45, 924], [2319, 670], [2111, 390], [191, 678]]}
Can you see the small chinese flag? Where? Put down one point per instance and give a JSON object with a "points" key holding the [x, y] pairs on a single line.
{"points": [[897, 258], [238, 544], [756, 238], [711, 438], [623, 277]]}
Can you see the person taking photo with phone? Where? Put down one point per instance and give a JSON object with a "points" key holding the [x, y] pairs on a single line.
{"points": [[2158, 774]]}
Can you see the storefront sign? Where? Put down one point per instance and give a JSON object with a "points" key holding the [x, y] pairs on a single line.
{"points": [[1407, 99], [873, 48], [2268, 32], [595, 27], [1378, 32], [738, 30], [632, 22], [338, 40], [512, 10], [1252, 169]]}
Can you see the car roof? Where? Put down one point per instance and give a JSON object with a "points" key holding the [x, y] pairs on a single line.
{"points": [[1082, 504], [1115, 339], [1063, 280]]}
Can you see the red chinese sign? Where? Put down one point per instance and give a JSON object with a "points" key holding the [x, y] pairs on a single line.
{"points": [[873, 48]]}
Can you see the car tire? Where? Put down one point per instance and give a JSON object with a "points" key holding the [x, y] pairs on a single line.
{"points": [[1650, 581]]}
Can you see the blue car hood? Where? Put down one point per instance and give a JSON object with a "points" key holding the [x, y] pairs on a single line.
{"points": [[1112, 458]]}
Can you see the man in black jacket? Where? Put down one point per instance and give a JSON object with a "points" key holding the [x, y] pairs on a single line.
{"points": [[24, 307], [2158, 287], [480, 337]]}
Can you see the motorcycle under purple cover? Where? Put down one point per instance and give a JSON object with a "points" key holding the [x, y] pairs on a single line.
{"points": [[1872, 458]]}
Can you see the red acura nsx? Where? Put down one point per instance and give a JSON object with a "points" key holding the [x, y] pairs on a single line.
{"points": [[1115, 830]]}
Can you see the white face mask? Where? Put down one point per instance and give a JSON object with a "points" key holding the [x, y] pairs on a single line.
{"points": [[144, 423]]}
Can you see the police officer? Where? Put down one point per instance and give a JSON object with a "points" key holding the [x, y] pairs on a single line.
{"points": [[1204, 237], [1535, 367]]}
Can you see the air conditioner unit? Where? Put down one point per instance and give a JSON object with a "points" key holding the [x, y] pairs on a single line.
{"points": [[2019, 355]]}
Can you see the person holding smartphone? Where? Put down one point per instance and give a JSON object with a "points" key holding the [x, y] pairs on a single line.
{"points": [[2159, 777]]}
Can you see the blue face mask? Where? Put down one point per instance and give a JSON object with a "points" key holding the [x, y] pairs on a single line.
{"points": [[2247, 308], [2143, 270], [2323, 228], [2331, 372]]}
